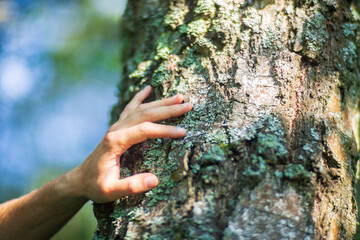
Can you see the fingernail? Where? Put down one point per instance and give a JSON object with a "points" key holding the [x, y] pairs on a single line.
{"points": [[151, 181], [188, 104], [186, 98], [181, 130], [179, 96]]}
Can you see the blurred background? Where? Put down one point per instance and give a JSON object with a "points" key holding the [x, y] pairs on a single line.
{"points": [[59, 67]]}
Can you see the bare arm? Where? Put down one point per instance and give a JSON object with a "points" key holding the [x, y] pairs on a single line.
{"points": [[41, 213]]}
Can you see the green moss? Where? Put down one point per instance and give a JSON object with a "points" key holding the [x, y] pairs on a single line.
{"points": [[271, 35], [97, 237], [349, 29], [162, 162], [355, 9], [244, 37], [161, 192], [331, 3], [315, 134], [296, 172], [210, 173], [218, 137], [169, 43], [195, 168], [252, 20], [129, 235], [350, 54], [226, 26], [176, 16], [141, 70], [204, 46], [275, 126], [215, 154], [206, 236], [271, 145], [155, 237], [160, 74], [257, 168], [209, 112], [308, 147], [135, 213], [191, 61], [279, 175], [204, 213], [125, 172], [315, 35], [205, 8], [311, 147], [163, 49], [251, 133], [198, 28]]}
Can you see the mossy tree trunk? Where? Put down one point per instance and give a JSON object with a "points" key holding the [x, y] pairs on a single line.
{"points": [[271, 148]]}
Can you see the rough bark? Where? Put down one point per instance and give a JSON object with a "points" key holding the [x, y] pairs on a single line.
{"points": [[271, 148]]}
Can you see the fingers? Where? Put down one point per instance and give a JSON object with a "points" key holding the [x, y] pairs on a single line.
{"points": [[147, 130], [160, 113], [165, 102], [135, 184], [136, 101]]}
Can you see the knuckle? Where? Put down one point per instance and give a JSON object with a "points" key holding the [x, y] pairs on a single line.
{"points": [[114, 139], [132, 187], [110, 137], [104, 189], [144, 127], [146, 113], [140, 108]]}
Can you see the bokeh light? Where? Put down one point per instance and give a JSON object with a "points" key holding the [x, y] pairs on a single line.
{"points": [[59, 67]]}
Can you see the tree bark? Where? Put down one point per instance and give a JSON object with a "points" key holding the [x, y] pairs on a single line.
{"points": [[271, 148]]}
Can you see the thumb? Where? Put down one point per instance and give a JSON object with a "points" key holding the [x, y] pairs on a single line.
{"points": [[135, 184]]}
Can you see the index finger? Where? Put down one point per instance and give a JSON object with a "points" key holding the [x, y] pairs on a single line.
{"points": [[159, 113], [177, 99], [136, 101]]}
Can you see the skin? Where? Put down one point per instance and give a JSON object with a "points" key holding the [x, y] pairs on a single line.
{"points": [[41, 213]]}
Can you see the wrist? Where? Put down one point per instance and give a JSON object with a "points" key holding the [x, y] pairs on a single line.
{"points": [[71, 186]]}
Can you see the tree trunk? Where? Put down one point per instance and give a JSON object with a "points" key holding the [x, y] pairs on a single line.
{"points": [[271, 148]]}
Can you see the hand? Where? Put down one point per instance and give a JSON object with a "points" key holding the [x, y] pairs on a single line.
{"points": [[98, 177]]}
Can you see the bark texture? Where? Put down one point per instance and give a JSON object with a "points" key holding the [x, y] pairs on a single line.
{"points": [[271, 149]]}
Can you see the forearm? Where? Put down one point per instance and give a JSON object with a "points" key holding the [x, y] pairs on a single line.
{"points": [[41, 213]]}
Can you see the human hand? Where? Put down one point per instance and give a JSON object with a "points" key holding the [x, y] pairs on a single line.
{"points": [[98, 177]]}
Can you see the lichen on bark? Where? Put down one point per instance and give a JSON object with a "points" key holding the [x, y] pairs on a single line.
{"points": [[271, 148]]}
